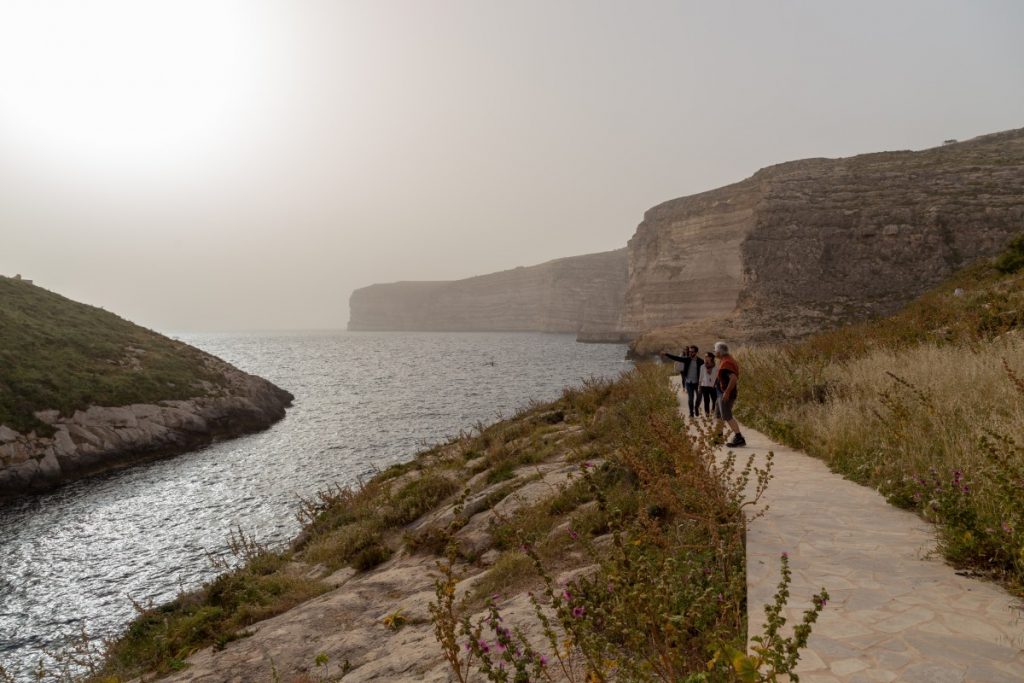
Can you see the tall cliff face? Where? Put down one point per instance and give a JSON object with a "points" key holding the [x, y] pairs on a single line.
{"points": [[794, 249], [581, 294], [809, 244], [685, 260]]}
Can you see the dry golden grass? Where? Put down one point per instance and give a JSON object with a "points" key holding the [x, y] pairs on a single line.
{"points": [[927, 406]]}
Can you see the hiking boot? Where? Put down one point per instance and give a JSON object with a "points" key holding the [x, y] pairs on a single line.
{"points": [[736, 441]]}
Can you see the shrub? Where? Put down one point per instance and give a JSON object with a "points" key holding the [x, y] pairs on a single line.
{"points": [[668, 589], [1012, 260]]}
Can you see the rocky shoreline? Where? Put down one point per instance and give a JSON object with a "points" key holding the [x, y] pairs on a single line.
{"points": [[517, 517], [99, 438]]}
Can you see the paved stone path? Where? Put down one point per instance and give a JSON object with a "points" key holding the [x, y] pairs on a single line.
{"points": [[897, 612]]}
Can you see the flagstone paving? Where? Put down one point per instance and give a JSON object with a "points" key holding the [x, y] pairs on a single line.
{"points": [[897, 611]]}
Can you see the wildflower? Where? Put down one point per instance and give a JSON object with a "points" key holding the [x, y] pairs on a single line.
{"points": [[566, 595], [785, 555], [542, 660], [572, 534], [586, 465], [499, 648], [484, 647], [578, 612]]}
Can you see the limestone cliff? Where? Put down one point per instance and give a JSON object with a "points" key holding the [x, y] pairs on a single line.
{"points": [[809, 244], [581, 294], [83, 391], [795, 248]]}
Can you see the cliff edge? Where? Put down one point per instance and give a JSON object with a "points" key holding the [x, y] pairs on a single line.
{"points": [[807, 245], [796, 248], [580, 294], [83, 391]]}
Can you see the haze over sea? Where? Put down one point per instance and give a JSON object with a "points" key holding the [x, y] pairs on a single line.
{"points": [[363, 401]]}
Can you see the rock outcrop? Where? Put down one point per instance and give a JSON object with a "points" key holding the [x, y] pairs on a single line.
{"points": [[581, 294], [100, 438], [83, 391], [811, 244]]}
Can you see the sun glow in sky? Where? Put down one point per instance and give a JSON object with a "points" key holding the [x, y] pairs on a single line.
{"points": [[127, 85], [245, 164]]}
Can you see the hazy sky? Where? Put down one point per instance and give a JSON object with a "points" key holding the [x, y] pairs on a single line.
{"points": [[215, 165]]}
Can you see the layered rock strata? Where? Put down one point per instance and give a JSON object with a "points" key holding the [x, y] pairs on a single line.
{"points": [[794, 249], [581, 295], [810, 244], [100, 438]]}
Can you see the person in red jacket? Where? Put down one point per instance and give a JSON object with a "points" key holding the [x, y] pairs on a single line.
{"points": [[727, 385]]}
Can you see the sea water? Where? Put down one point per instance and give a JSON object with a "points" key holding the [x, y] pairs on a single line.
{"points": [[78, 557]]}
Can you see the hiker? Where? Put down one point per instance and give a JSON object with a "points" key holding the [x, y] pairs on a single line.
{"points": [[689, 366], [727, 385], [708, 377]]}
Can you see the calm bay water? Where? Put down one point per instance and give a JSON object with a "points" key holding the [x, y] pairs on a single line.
{"points": [[73, 558]]}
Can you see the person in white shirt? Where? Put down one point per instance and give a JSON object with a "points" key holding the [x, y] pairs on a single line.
{"points": [[708, 375]]}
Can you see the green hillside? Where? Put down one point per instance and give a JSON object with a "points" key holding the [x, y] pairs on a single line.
{"points": [[57, 353], [927, 406]]}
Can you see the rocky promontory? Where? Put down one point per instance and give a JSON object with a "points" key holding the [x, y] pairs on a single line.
{"points": [[581, 294], [83, 391]]}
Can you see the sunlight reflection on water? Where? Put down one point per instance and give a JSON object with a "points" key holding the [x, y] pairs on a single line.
{"points": [[363, 401]]}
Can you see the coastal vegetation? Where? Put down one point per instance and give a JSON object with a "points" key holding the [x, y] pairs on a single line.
{"points": [[602, 511], [927, 406], [662, 598], [59, 354]]}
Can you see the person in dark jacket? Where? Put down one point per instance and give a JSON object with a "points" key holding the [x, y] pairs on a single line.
{"points": [[689, 366]]}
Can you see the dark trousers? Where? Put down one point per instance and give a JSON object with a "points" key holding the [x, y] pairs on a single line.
{"points": [[691, 397], [710, 397]]}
